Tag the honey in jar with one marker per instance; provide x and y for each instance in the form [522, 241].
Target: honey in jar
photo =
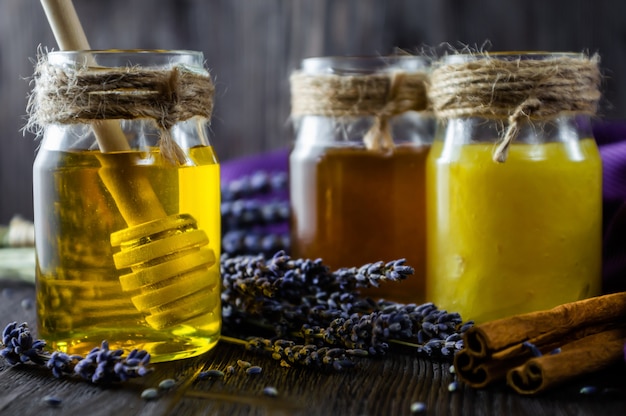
[354, 204]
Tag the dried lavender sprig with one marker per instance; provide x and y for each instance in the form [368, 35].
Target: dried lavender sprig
[290, 353]
[254, 242]
[374, 333]
[247, 213]
[258, 183]
[19, 345]
[100, 366]
[257, 288]
[255, 292]
[62, 364]
[433, 332]
[372, 274]
[298, 301]
[103, 365]
[280, 275]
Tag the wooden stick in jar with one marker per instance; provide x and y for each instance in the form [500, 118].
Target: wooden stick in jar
[70, 35]
[135, 198]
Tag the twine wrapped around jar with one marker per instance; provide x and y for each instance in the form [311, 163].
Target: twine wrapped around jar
[379, 95]
[83, 94]
[515, 90]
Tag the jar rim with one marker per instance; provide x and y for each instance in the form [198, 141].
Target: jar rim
[364, 64]
[509, 55]
[128, 51]
[125, 57]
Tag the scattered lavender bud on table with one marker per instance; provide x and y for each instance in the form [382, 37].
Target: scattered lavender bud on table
[167, 384]
[589, 390]
[254, 370]
[52, 400]
[210, 374]
[150, 394]
[270, 391]
[533, 348]
[418, 407]
[27, 303]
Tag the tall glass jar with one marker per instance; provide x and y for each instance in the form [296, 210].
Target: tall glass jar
[353, 202]
[513, 227]
[127, 238]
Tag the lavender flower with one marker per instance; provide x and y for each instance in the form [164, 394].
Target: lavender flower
[258, 183]
[62, 364]
[19, 345]
[290, 353]
[303, 299]
[100, 366]
[134, 365]
[265, 242]
[293, 278]
[532, 348]
[242, 213]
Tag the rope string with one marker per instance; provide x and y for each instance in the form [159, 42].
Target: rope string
[68, 95]
[382, 96]
[517, 91]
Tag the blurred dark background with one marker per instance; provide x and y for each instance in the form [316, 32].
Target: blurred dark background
[251, 46]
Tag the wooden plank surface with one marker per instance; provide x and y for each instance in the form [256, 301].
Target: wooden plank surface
[377, 387]
[252, 46]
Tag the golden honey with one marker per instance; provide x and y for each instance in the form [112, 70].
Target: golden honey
[352, 206]
[80, 297]
[513, 237]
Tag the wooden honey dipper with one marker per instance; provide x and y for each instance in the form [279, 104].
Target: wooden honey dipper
[168, 255]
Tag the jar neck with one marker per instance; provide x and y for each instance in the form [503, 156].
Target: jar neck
[462, 131]
[409, 128]
[142, 135]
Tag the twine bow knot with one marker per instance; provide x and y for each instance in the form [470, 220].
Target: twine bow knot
[523, 111]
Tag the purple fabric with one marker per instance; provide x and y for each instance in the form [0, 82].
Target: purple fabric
[270, 162]
[611, 138]
[274, 161]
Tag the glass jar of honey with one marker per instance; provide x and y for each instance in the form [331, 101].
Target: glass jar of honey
[126, 203]
[513, 184]
[357, 169]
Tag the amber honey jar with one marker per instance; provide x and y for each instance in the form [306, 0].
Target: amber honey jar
[357, 169]
[126, 203]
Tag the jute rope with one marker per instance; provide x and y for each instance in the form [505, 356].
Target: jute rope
[382, 96]
[515, 91]
[67, 95]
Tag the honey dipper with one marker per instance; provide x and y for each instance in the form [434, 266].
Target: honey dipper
[168, 255]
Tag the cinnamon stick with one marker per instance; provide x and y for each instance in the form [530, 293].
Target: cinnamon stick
[492, 350]
[545, 326]
[584, 356]
[479, 373]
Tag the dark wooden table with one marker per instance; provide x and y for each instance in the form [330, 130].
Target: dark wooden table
[376, 387]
